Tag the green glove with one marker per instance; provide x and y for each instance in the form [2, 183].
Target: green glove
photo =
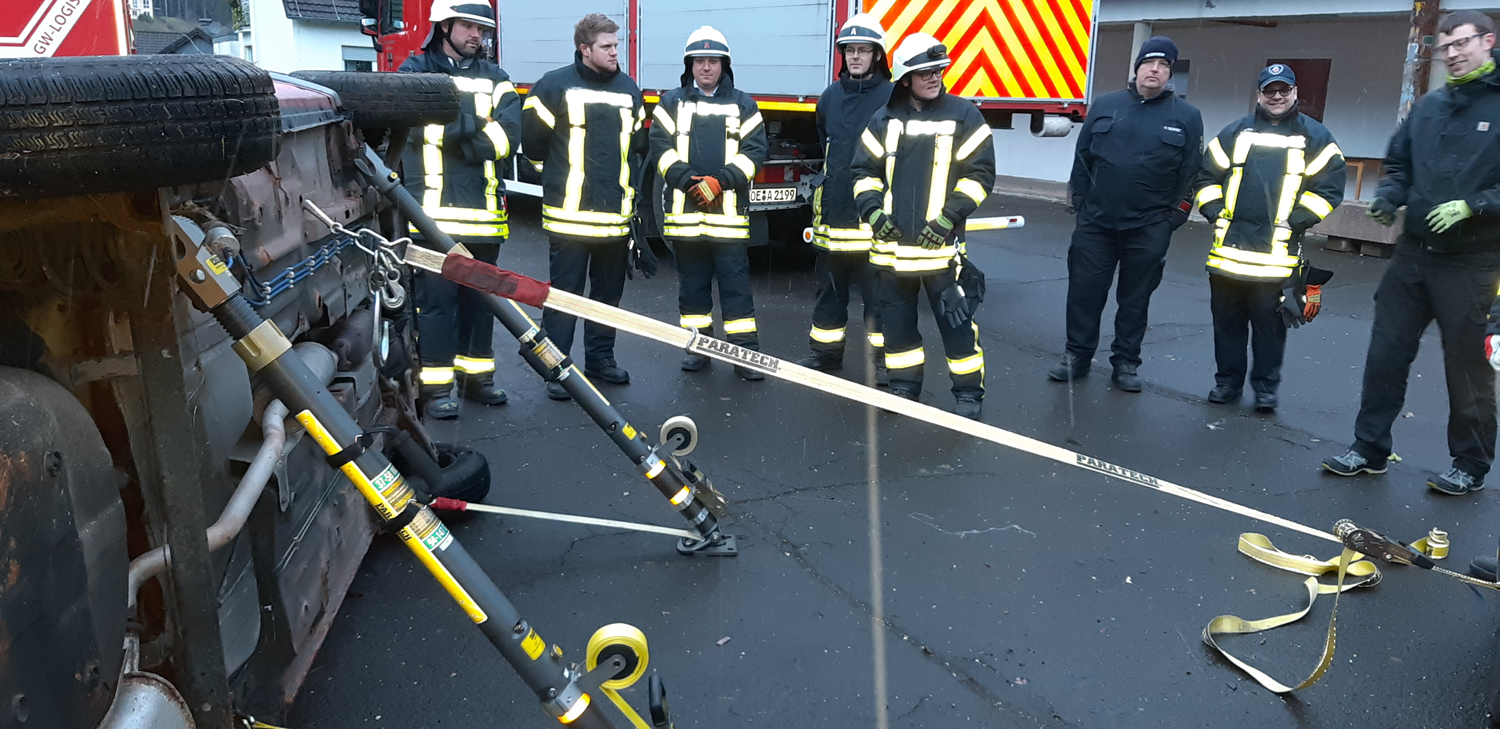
[936, 233]
[1447, 215]
[882, 226]
[1382, 211]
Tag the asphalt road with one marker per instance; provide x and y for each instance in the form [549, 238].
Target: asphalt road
[1017, 591]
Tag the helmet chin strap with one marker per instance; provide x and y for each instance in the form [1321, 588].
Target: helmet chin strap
[448, 39]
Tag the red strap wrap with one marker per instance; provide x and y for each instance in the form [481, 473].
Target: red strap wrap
[484, 277]
[443, 503]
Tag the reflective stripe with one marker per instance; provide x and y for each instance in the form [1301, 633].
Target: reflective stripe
[542, 113]
[739, 326]
[872, 144]
[827, 336]
[1323, 158]
[892, 140]
[1232, 192]
[705, 231]
[496, 133]
[668, 158]
[876, 339]
[1278, 257]
[973, 189]
[503, 88]
[436, 376]
[472, 85]
[972, 144]
[584, 230]
[473, 365]
[868, 184]
[924, 128]
[842, 239]
[973, 363]
[696, 321]
[1269, 273]
[1317, 205]
[476, 230]
[911, 265]
[749, 124]
[942, 162]
[1290, 184]
[1216, 151]
[745, 165]
[585, 216]
[627, 192]
[664, 119]
[899, 360]
[1209, 194]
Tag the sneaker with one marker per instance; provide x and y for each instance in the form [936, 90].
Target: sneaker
[822, 361]
[608, 371]
[1353, 464]
[1222, 394]
[1456, 481]
[556, 391]
[693, 362]
[1071, 370]
[481, 389]
[1126, 379]
[1265, 401]
[969, 407]
[748, 374]
[441, 407]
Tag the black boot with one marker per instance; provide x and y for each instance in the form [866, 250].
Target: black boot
[608, 371]
[438, 402]
[1073, 369]
[822, 361]
[481, 389]
[693, 362]
[882, 375]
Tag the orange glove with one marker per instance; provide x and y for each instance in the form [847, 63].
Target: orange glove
[707, 190]
[1314, 302]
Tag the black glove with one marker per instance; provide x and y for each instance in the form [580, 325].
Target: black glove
[1301, 219]
[1293, 301]
[936, 233]
[884, 227]
[1179, 214]
[955, 307]
[971, 279]
[1382, 211]
[1212, 210]
[640, 256]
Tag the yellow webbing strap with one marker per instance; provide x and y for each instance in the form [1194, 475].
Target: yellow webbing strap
[1260, 549]
[631, 638]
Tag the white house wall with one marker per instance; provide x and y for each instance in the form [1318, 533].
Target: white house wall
[283, 45]
[1363, 86]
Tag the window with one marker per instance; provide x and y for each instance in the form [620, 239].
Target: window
[359, 58]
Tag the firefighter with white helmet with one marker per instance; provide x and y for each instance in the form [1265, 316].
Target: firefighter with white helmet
[709, 140]
[841, 237]
[455, 170]
[924, 164]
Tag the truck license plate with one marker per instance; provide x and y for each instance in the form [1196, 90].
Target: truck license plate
[773, 194]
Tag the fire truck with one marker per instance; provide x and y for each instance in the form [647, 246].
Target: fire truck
[1018, 60]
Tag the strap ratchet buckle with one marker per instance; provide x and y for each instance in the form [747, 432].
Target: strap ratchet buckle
[1375, 545]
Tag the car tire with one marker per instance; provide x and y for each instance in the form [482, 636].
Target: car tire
[85, 125]
[390, 100]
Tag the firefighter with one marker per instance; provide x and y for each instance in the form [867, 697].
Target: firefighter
[1266, 179]
[924, 164]
[1138, 156]
[454, 170]
[584, 123]
[842, 239]
[1443, 165]
[708, 141]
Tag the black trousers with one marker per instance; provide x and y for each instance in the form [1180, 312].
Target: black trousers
[838, 272]
[453, 320]
[699, 264]
[602, 267]
[1141, 255]
[1245, 312]
[904, 358]
[1419, 287]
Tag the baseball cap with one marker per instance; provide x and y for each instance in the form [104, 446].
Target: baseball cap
[1277, 72]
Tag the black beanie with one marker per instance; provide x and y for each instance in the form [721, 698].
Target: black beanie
[1157, 46]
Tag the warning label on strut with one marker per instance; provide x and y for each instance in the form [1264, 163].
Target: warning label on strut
[741, 356]
[1094, 464]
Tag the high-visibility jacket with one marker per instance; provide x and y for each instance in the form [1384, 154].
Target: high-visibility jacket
[1263, 183]
[456, 170]
[588, 128]
[843, 111]
[719, 136]
[916, 165]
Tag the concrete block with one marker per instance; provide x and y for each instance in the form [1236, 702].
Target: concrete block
[1350, 221]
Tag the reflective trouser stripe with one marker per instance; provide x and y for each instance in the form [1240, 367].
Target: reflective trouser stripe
[898, 360]
[827, 336]
[696, 321]
[739, 326]
[966, 365]
[436, 376]
[877, 339]
[473, 365]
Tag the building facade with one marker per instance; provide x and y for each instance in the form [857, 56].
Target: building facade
[300, 35]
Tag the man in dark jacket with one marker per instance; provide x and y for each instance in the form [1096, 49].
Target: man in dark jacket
[924, 164]
[454, 171]
[585, 123]
[708, 139]
[1444, 166]
[842, 239]
[1133, 173]
[1266, 179]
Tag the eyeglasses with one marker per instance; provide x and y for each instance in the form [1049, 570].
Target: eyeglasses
[1460, 44]
[859, 50]
[928, 74]
[1274, 93]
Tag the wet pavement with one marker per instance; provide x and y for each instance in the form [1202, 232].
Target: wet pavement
[1017, 591]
